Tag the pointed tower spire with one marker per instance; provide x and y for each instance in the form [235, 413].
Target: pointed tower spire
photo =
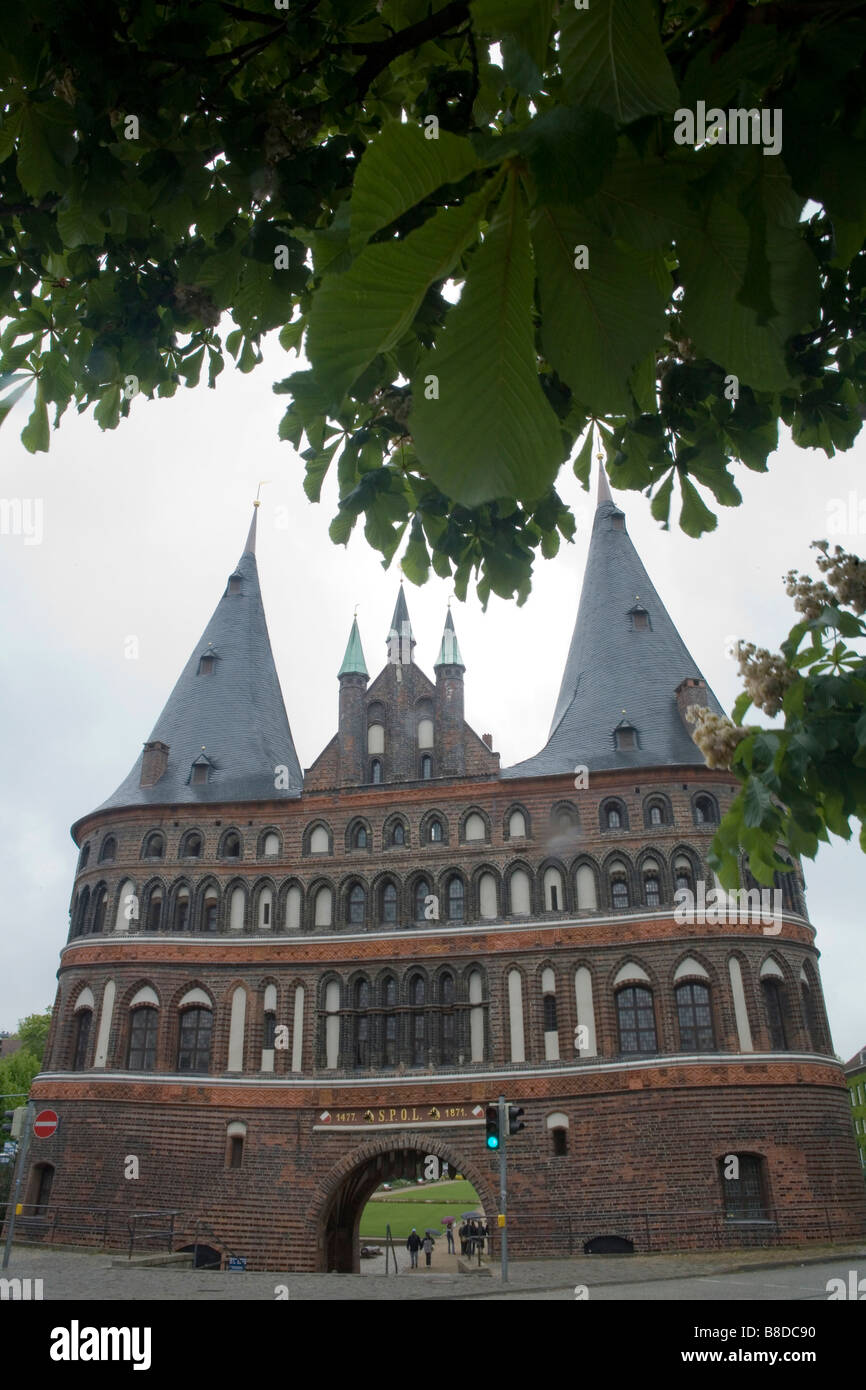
[625, 654]
[400, 639]
[228, 701]
[250, 547]
[353, 662]
[603, 487]
[449, 652]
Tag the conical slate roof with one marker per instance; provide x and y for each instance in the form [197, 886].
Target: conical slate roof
[234, 718]
[399, 648]
[449, 651]
[353, 662]
[624, 664]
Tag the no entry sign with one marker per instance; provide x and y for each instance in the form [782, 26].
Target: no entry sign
[45, 1124]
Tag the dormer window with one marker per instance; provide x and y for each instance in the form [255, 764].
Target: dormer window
[206, 664]
[624, 736]
[200, 771]
[235, 582]
[617, 521]
[640, 618]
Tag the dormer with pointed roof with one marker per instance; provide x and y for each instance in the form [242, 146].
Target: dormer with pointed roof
[223, 734]
[625, 654]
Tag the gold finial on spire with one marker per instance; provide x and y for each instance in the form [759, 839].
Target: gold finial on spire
[262, 484]
[357, 606]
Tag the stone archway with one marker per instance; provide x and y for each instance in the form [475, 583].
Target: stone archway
[343, 1194]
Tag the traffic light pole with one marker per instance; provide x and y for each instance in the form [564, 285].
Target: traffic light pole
[503, 1183]
[20, 1165]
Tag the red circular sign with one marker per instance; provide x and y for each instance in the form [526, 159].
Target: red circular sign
[45, 1124]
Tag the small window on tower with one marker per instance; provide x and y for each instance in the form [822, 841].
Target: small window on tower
[234, 584]
[426, 768]
[376, 771]
[236, 1152]
[206, 665]
[199, 774]
[617, 521]
[626, 737]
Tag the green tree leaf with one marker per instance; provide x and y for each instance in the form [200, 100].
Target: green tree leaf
[400, 169]
[612, 57]
[36, 434]
[489, 432]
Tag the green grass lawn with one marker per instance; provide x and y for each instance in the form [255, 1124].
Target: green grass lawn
[419, 1207]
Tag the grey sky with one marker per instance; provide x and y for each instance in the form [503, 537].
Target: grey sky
[142, 527]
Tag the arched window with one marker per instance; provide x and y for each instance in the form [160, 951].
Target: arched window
[360, 837]
[398, 834]
[655, 814]
[447, 1022]
[422, 893]
[553, 897]
[455, 899]
[637, 1029]
[389, 902]
[376, 738]
[651, 883]
[683, 874]
[100, 910]
[375, 771]
[425, 733]
[705, 811]
[743, 1187]
[389, 1022]
[153, 921]
[109, 850]
[614, 820]
[83, 1021]
[517, 826]
[154, 846]
[271, 845]
[436, 830]
[357, 904]
[426, 767]
[210, 908]
[79, 925]
[474, 828]
[695, 1018]
[193, 1052]
[191, 847]
[618, 886]
[520, 893]
[787, 882]
[232, 846]
[774, 1003]
[320, 840]
[323, 909]
[361, 1024]
[418, 1001]
[549, 1008]
[143, 1028]
[181, 910]
[85, 855]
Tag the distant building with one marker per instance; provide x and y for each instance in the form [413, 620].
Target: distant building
[282, 988]
[855, 1075]
[8, 1045]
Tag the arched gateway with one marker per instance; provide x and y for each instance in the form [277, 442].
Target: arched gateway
[343, 1194]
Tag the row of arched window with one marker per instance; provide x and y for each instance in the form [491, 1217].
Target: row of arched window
[207, 906]
[440, 1019]
[473, 825]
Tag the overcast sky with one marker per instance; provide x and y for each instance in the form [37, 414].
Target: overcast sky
[141, 528]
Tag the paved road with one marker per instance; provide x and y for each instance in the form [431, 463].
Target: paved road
[734, 1277]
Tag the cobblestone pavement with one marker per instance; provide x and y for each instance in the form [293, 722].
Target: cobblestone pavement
[737, 1275]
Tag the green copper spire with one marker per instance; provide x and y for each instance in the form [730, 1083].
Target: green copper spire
[353, 662]
[449, 652]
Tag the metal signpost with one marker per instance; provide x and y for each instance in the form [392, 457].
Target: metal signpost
[503, 1177]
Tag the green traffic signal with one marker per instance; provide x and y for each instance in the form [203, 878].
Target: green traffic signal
[492, 1126]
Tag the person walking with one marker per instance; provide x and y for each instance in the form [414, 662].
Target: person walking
[449, 1235]
[464, 1233]
[413, 1245]
[428, 1250]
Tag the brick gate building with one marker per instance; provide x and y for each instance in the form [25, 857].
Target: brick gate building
[280, 988]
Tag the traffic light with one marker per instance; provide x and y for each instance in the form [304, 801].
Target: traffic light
[492, 1126]
[515, 1124]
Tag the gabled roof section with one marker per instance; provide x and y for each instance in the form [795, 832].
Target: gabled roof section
[236, 713]
[616, 664]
